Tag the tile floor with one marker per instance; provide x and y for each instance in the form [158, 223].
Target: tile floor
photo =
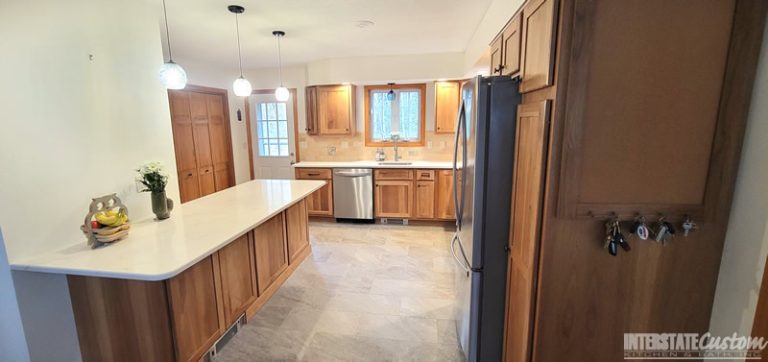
[367, 293]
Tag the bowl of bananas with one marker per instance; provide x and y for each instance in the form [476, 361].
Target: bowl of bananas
[106, 222]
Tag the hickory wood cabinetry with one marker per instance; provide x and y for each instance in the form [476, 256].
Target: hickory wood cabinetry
[447, 101]
[180, 318]
[505, 49]
[320, 203]
[393, 193]
[201, 138]
[444, 198]
[330, 110]
[583, 84]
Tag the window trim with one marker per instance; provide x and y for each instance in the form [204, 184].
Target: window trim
[421, 87]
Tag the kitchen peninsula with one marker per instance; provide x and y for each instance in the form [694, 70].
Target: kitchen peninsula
[171, 289]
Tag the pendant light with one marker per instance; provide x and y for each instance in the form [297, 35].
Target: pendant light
[391, 93]
[171, 74]
[281, 93]
[241, 86]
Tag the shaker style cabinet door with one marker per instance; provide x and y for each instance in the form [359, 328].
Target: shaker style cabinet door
[538, 44]
[393, 199]
[270, 249]
[444, 205]
[424, 206]
[446, 106]
[297, 229]
[335, 109]
[511, 38]
[238, 277]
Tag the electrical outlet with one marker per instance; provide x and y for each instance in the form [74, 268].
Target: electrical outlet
[331, 151]
[429, 144]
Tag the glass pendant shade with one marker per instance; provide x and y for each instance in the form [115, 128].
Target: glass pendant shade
[282, 94]
[391, 95]
[173, 76]
[242, 87]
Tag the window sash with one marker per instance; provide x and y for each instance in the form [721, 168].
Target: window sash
[272, 129]
[407, 101]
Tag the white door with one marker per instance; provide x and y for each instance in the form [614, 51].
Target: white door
[273, 137]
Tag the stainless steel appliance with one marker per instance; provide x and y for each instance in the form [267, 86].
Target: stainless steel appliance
[484, 157]
[353, 193]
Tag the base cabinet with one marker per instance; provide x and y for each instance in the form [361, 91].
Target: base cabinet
[320, 203]
[194, 299]
[179, 319]
[424, 206]
[393, 199]
[444, 198]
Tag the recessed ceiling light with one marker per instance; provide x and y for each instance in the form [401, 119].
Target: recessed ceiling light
[364, 23]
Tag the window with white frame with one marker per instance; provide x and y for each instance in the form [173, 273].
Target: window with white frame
[272, 127]
[397, 111]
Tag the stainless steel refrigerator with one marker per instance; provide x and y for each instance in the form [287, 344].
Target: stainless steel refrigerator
[483, 164]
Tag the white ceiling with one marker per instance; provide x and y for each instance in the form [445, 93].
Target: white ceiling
[204, 30]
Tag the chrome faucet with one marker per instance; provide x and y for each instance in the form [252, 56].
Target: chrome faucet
[395, 138]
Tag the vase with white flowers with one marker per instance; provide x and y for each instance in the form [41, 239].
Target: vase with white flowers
[154, 178]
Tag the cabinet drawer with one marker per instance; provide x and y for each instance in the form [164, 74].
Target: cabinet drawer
[313, 173]
[393, 174]
[425, 175]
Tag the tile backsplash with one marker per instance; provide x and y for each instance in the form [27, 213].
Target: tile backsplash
[437, 147]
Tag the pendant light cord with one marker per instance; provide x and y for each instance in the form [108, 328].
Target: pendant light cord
[280, 60]
[167, 33]
[239, 53]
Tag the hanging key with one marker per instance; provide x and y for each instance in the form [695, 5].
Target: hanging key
[610, 237]
[688, 226]
[639, 228]
[619, 237]
[662, 230]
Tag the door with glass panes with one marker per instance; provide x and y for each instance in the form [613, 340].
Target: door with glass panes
[272, 132]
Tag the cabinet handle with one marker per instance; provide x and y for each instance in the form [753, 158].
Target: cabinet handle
[189, 174]
[313, 174]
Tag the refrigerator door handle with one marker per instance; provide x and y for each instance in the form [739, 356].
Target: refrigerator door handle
[464, 264]
[459, 122]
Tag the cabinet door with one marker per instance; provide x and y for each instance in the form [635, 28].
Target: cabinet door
[446, 106]
[311, 100]
[221, 146]
[527, 198]
[297, 229]
[189, 185]
[238, 277]
[270, 249]
[320, 202]
[334, 110]
[207, 180]
[194, 299]
[444, 208]
[393, 199]
[511, 37]
[424, 206]
[497, 54]
[539, 24]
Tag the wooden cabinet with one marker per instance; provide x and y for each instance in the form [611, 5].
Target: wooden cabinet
[297, 230]
[393, 199]
[320, 203]
[311, 106]
[424, 204]
[444, 199]
[539, 24]
[505, 49]
[392, 174]
[527, 190]
[202, 141]
[270, 249]
[194, 297]
[447, 100]
[238, 277]
[331, 110]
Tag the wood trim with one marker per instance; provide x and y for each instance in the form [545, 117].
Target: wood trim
[277, 283]
[295, 102]
[422, 87]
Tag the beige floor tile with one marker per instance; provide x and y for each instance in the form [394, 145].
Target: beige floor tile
[436, 308]
[399, 328]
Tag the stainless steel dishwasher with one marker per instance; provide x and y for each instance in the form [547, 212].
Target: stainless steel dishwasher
[353, 193]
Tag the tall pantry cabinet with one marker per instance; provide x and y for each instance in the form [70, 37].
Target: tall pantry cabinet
[630, 108]
[202, 141]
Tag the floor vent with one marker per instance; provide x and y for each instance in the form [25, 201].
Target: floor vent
[394, 221]
[224, 339]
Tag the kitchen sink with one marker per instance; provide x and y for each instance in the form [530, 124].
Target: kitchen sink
[395, 163]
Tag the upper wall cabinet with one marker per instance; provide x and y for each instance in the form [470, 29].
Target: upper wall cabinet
[446, 106]
[331, 110]
[538, 44]
[505, 49]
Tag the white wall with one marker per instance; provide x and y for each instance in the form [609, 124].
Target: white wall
[73, 128]
[13, 345]
[746, 243]
[476, 54]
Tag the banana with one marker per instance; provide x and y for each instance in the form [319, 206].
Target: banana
[111, 218]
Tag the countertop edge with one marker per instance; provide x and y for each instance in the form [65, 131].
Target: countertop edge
[26, 266]
[438, 165]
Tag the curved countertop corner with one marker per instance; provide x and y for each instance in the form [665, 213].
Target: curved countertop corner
[374, 164]
[160, 250]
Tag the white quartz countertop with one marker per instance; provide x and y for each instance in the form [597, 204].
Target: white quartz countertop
[375, 164]
[158, 250]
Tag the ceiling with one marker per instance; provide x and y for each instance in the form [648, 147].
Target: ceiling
[203, 30]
